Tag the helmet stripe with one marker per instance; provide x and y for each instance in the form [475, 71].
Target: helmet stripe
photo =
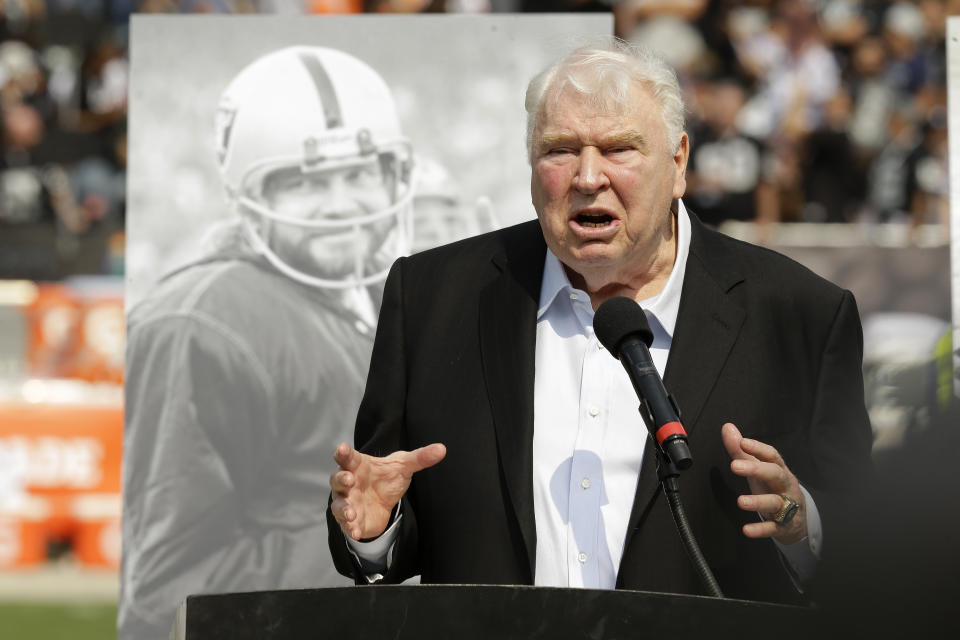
[324, 86]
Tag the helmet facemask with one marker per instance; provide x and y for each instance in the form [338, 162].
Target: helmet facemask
[335, 222]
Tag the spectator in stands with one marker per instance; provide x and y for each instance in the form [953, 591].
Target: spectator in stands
[631, 15]
[99, 181]
[24, 196]
[889, 180]
[795, 71]
[103, 81]
[833, 181]
[929, 180]
[872, 95]
[726, 167]
[904, 32]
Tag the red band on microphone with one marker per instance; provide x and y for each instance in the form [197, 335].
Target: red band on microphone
[670, 429]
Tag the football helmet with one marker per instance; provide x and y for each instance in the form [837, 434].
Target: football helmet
[315, 110]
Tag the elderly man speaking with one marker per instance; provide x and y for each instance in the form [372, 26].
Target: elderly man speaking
[498, 442]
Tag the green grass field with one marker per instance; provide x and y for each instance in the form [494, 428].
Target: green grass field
[22, 621]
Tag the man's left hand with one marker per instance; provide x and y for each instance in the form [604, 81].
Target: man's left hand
[769, 479]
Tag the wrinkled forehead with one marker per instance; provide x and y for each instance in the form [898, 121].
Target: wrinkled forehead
[622, 110]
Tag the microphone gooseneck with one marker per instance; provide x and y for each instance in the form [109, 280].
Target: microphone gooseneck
[622, 328]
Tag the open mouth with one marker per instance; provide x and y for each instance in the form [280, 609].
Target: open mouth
[594, 220]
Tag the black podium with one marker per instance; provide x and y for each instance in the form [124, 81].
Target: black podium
[465, 612]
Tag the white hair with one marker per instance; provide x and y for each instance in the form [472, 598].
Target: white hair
[605, 72]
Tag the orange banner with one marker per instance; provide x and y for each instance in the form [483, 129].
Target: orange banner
[67, 459]
[64, 449]
[76, 332]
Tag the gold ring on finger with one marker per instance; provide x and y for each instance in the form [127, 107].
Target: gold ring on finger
[787, 510]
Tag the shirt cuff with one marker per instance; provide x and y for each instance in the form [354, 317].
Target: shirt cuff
[375, 556]
[802, 556]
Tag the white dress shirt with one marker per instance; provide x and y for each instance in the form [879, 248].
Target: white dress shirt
[588, 438]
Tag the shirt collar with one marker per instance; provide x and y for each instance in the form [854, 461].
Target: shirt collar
[663, 307]
[555, 281]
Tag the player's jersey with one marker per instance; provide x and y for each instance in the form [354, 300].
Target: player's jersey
[240, 384]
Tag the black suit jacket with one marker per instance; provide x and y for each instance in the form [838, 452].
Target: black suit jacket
[759, 341]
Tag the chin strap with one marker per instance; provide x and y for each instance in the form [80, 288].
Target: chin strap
[402, 234]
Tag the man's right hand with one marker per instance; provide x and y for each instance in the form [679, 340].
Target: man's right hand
[366, 488]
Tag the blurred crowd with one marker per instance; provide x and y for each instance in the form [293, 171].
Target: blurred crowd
[800, 110]
[831, 111]
[63, 93]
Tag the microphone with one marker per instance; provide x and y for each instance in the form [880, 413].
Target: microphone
[622, 328]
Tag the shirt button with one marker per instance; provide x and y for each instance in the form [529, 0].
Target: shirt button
[574, 296]
[585, 483]
[594, 412]
[582, 557]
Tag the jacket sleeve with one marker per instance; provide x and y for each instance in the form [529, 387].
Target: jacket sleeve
[381, 430]
[840, 436]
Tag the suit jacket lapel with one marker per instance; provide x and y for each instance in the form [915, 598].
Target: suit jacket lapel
[708, 324]
[508, 320]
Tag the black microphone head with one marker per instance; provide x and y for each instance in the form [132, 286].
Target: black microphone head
[618, 318]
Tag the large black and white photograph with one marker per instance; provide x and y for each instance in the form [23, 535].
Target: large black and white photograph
[278, 167]
[446, 91]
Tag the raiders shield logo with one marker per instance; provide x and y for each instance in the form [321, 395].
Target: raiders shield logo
[223, 125]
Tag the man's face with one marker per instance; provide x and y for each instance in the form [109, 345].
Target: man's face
[335, 195]
[603, 181]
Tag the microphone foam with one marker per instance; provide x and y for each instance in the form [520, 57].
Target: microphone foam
[618, 318]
